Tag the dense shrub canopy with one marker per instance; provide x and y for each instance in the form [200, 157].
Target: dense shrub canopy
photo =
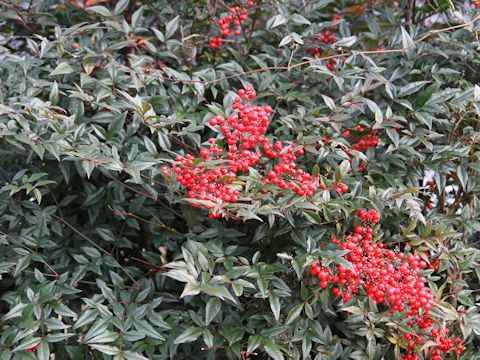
[334, 214]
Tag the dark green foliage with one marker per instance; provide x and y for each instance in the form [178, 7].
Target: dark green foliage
[100, 255]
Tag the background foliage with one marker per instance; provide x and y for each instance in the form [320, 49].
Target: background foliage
[102, 257]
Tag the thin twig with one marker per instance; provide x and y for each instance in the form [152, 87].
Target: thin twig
[153, 266]
[159, 224]
[19, 243]
[149, 196]
[307, 62]
[96, 245]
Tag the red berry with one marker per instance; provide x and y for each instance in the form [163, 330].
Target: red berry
[33, 348]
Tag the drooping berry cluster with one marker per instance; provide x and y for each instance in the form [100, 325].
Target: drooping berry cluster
[390, 278]
[444, 343]
[369, 216]
[440, 344]
[231, 23]
[431, 188]
[211, 176]
[204, 183]
[326, 37]
[364, 138]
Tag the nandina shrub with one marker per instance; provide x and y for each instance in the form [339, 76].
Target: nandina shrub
[239, 180]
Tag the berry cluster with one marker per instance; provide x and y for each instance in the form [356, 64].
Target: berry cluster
[431, 188]
[388, 277]
[364, 139]
[444, 343]
[231, 23]
[204, 183]
[431, 185]
[435, 265]
[326, 37]
[369, 216]
[441, 344]
[210, 178]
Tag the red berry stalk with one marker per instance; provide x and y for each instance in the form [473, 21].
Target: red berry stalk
[244, 146]
[231, 23]
[326, 37]
[366, 139]
[388, 277]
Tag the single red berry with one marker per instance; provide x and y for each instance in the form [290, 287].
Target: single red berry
[33, 348]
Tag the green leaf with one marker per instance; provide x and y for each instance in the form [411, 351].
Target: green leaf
[181, 275]
[98, 328]
[376, 110]
[27, 343]
[88, 166]
[101, 10]
[43, 351]
[294, 314]
[217, 290]
[106, 291]
[254, 341]
[147, 329]
[273, 350]
[313, 217]
[171, 27]
[407, 42]
[159, 35]
[329, 102]
[14, 312]
[189, 335]
[353, 310]
[22, 264]
[299, 19]
[464, 298]
[346, 41]
[411, 88]
[129, 355]
[62, 69]
[120, 6]
[55, 324]
[393, 135]
[285, 41]
[106, 337]
[53, 97]
[277, 20]
[52, 338]
[191, 288]
[137, 16]
[212, 309]
[462, 175]
[106, 349]
[274, 305]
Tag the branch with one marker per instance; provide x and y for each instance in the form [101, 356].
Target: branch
[148, 71]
